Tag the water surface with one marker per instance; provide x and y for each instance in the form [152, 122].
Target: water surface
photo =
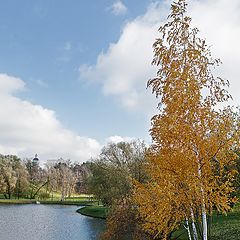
[47, 222]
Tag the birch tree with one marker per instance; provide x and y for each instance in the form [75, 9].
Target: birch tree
[191, 157]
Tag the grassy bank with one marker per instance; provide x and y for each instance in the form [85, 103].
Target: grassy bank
[69, 202]
[81, 200]
[94, 211]
[17, 201]
[222, 227]
[226, 227]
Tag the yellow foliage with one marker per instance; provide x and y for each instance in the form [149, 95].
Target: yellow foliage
[190, 162]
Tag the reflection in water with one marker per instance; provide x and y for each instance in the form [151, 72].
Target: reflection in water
[47, 222]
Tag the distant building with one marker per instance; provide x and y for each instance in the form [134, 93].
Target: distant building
[35, 160]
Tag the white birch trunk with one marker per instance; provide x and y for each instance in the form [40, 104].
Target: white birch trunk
[204, 220]
[204, 214]
[195, 235]
[188, 229]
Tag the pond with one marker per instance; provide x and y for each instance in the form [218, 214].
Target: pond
[47, 222]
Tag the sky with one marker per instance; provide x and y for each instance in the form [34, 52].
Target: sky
[73, 73]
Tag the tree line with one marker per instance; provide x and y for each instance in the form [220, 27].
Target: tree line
[26, 179]
[108, 177]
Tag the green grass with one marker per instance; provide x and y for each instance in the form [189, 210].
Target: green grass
[223, 227]
[17, 201]
[66, 202]
[79, 200]
[226, 227]
[76, 203]
[94, 211]
[70, 202]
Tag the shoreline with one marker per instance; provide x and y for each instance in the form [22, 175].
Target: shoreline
[28, 201]
[93, 211]
[89, 208]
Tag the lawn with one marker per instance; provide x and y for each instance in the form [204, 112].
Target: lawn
[80, 200]
[222, 227]
[226, 227]
[94, 211]
[16, 201]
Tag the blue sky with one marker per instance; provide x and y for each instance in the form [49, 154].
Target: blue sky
[73, 73]
[45, 42]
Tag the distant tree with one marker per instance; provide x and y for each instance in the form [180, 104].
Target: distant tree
[66, 178]
[82, 172]
[38, 178]
[8, 174]
[193, 142]
[22, 182]
[113, 171]
[13, 176]
[52, 175]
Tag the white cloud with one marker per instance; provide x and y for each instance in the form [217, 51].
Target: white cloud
[117, 139]
[218, 22]
[124, 68]
[118, 8]
[27, 129]
[9, 85]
